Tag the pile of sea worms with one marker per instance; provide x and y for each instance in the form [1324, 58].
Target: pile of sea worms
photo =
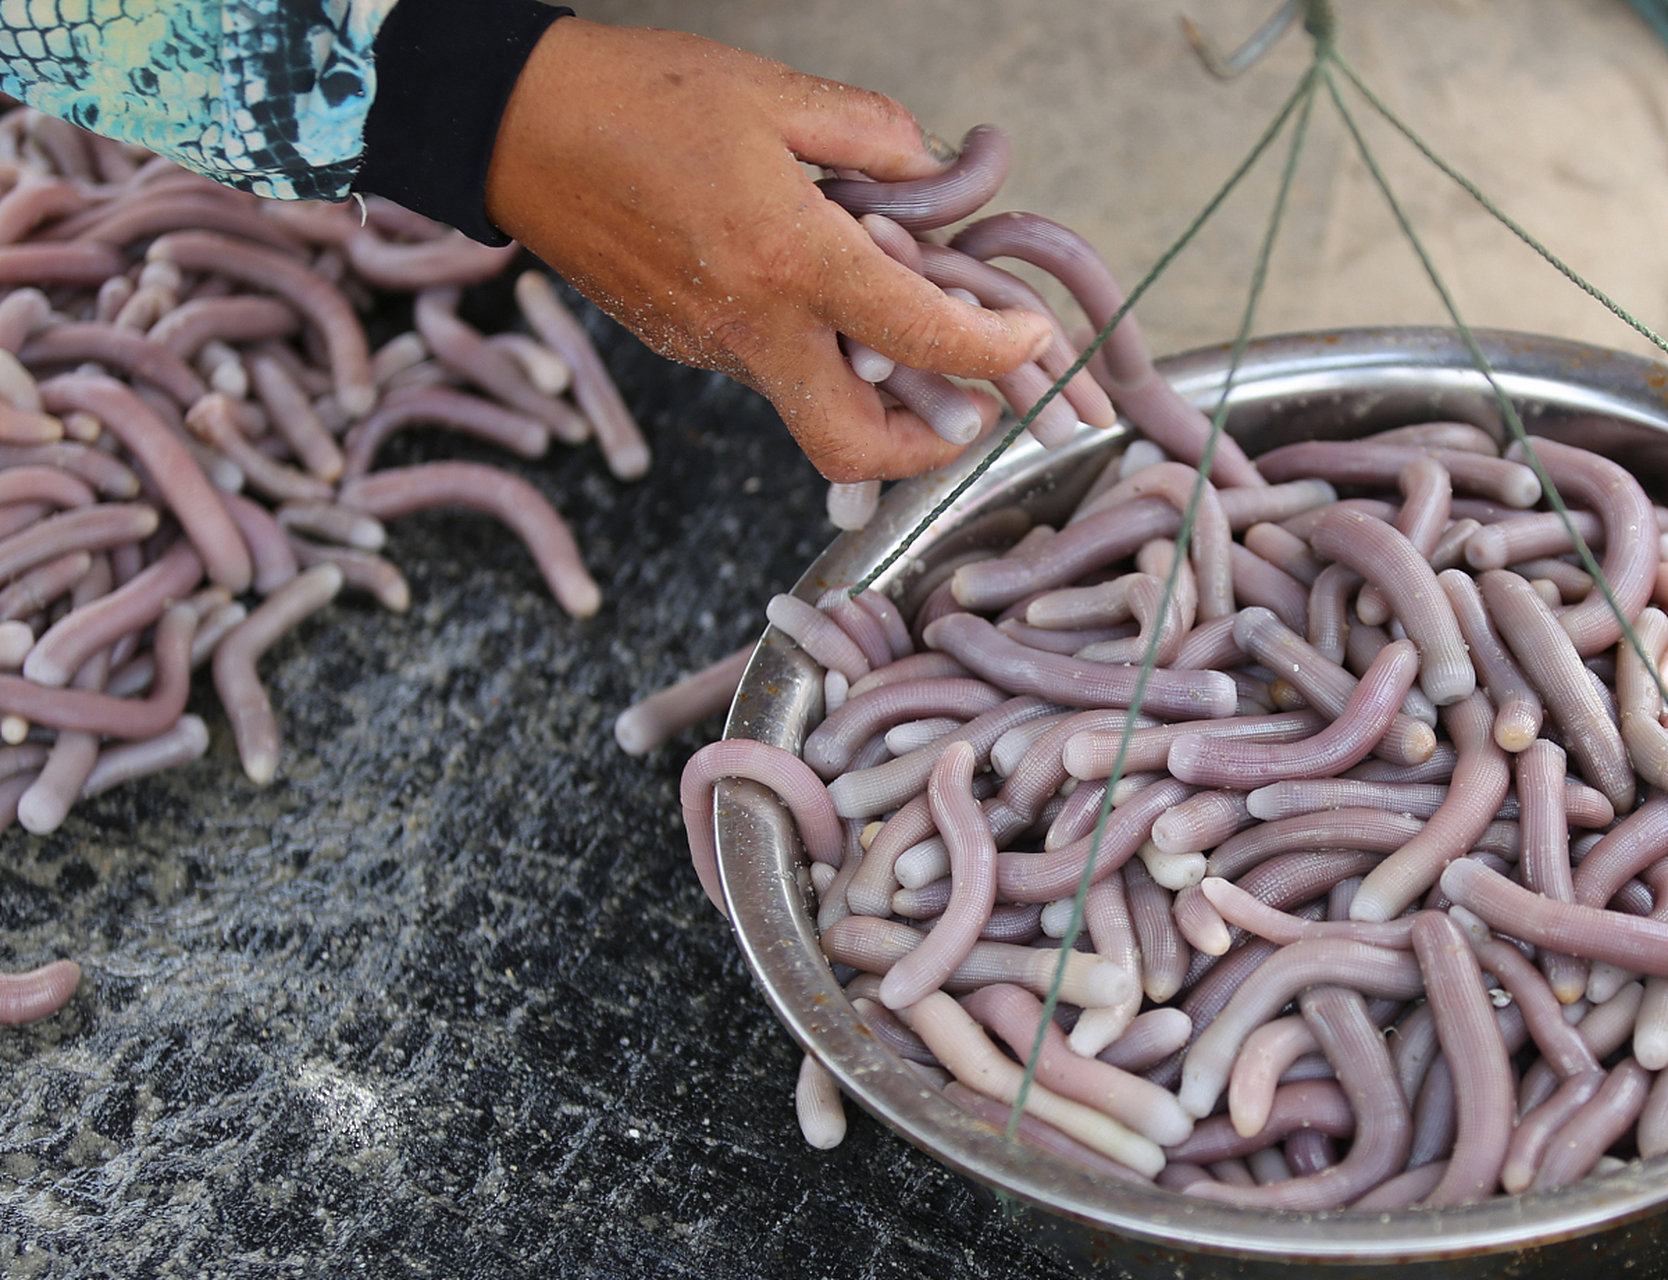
[1377, 915]
[190, 413]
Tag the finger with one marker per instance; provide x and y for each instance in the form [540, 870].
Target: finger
[869, 297]
[841, 423]
[838, 126]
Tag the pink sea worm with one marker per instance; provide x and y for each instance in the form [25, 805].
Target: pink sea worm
[399, 491]
[1552, 662]
[622, 443]
[254, 727]
[1631, 552]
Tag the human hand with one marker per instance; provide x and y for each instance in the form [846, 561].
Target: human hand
[660, 174]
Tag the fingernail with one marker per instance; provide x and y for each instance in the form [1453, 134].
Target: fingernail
[938, 149]
[1043, 344]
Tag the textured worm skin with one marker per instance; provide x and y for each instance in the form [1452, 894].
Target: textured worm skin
[822, 1119]
[350, 359]
[254, 726]
[74, 638]
[1476, 1055]
[1258, 1066]
[973, 883]
[95, 528]
[1202, 822]
[1238, 907]
[511, 499]
[29, 997]
[294, 418]
[1482, 775]
[1639, 701]
[449, 259]
[922, 204]
[1382, 1130]
[863, 793]
[1427, 494]
[1373, 970]
[186, 739]
[444, 407]
[1046, 1137]
[1628, 848]
[1629, 942]
[652, 721]
[1544, 863]
[977, 644]
[1630, 539]
[213, 419]
[818, 634]
[1344, 742]
[1552, 662]
[1090, 754]
[1305, 1104]
[962, 1046]
[784, 773]
[1370, 830]
[1388, 560]
[1599, 1123]
[1324, 684]
[44, 264]
[1212, 539]
[176, 474]
[1014, 1014]
[1519, 712]
[460, 347]
[1527, 537]
[244, 318]
[622, 443]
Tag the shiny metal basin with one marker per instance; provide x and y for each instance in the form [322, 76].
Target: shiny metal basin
[1332, 385]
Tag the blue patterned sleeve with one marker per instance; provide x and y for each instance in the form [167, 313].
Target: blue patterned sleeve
[269, 96]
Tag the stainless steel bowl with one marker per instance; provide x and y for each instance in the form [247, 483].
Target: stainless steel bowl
[1319, 385]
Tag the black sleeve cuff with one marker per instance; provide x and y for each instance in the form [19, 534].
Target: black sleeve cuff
[444, 73]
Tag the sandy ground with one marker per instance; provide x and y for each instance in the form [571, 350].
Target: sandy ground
[1558, 109]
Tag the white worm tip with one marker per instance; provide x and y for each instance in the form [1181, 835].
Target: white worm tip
[629, 461]
[634, 733]
[13, 730]
[40, 813]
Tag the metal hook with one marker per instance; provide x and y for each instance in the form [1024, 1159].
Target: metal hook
[1263, 39]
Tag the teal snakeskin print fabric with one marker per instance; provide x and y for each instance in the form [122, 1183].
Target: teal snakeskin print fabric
[266, 95]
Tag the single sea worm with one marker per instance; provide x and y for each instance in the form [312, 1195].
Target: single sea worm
[514, 501]
[1552, 662]
[622, 443]
[29, 997]
[652, 721]
[1475, 1053]
[254, 726]
[972, 855]
[1631, 553]
[921, 204]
